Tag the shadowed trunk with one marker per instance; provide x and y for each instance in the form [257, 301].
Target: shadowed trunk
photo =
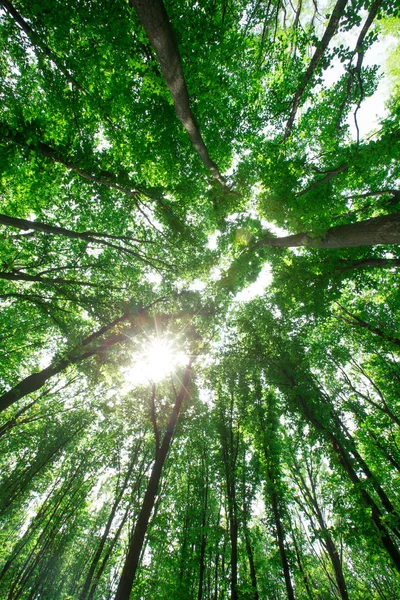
[155, 22]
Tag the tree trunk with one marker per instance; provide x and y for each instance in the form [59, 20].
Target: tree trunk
[377, 517]
[281, 544]
[34, 382]
[322, 46]
[377, 230]
[117, 501]
[272, 461]
[327, 539]
[204, 534]
[139, 532]
[253, 575]
[155, 22]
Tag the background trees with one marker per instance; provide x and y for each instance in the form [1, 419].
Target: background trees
[155, 159]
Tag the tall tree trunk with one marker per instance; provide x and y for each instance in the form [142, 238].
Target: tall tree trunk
[230, 444]
[139, 532]
[128, 512]
[114, 508]
[377, 517]
[305, 576]
[203, 543]
[281, 543]
[155, 22]
[324, 531]
[272, 460]
[319, 52]
[249, 551]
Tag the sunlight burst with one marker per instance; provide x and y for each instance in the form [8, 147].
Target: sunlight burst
[158, 360]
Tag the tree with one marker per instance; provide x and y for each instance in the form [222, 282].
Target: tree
[162, 436]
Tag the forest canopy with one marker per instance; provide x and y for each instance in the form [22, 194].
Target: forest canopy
[199, 360]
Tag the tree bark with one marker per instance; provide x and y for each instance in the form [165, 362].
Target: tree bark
[155, 22]
[139, 532]
[377, 230]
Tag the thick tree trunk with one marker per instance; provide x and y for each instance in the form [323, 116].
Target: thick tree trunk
[371, 232]
[139, 532]
[155, 22]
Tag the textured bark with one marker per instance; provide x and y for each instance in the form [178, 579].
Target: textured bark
[319, 52]
[377, 230]
[139, 532]
[155, 22]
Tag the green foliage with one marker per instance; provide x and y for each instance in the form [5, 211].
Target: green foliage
[283, 472]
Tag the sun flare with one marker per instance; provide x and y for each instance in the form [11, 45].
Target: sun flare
[158, 359]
